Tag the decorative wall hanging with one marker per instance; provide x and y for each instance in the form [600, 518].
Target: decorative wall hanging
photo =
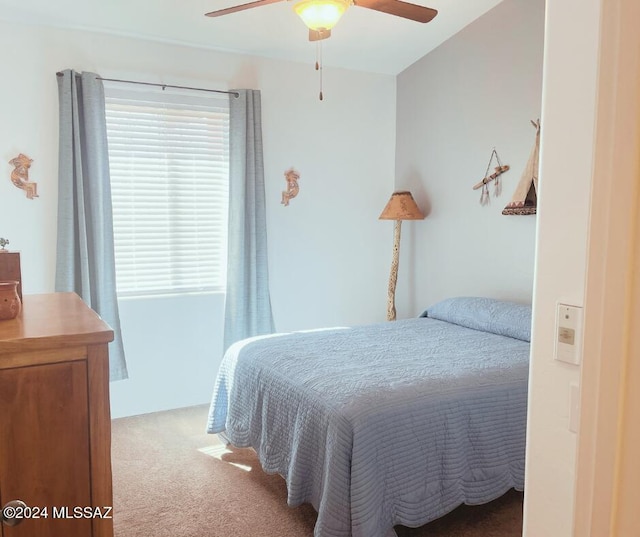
[525, 198]
[291, 176]
[495, 176]
[20, 175]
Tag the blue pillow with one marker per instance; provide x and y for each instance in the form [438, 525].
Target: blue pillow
[486, 314]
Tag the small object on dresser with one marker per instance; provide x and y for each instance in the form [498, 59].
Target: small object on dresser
[3, 243]
[10, 267]
[10, 304]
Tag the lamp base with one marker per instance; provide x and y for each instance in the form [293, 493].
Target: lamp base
[393, 276]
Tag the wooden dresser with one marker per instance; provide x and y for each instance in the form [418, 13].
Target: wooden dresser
[55, 429]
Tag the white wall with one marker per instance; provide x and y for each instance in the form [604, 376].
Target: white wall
[566, 174]
[327, 265]
[477, 91]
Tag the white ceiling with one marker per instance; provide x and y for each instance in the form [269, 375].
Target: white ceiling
[363, 40]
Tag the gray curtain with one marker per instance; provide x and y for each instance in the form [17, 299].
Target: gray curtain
[85, 259]
[247, 306]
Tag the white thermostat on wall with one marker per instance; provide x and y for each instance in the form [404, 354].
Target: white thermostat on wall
[568, 347]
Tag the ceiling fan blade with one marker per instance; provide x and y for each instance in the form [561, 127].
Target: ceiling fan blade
[241, 7]
[400, 9]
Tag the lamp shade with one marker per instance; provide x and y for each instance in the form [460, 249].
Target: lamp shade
[402, 206]
[321, 14]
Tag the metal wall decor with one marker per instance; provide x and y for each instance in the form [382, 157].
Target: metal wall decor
[20, 175]
[291, 176]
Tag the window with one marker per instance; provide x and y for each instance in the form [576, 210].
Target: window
[169, 161]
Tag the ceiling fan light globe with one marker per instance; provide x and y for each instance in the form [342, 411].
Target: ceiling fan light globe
[321, 14]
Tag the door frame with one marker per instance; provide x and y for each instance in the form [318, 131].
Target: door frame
[609, 424]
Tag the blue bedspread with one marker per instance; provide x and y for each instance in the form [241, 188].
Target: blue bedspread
[379, 425]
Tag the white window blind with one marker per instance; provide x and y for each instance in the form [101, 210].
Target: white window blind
[169, 162]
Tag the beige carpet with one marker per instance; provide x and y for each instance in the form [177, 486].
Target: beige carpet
[170, 479]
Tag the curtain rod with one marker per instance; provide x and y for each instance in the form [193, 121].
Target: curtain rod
[163, 86]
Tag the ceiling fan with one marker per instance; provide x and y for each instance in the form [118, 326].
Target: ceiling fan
[322, 15]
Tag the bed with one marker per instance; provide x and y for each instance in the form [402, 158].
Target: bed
[394, 423]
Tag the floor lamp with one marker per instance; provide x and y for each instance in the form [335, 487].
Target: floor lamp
[400, 207]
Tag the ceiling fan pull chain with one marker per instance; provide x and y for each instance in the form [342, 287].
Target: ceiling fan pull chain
[321, 68]
[319, 63]
[317, 55]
